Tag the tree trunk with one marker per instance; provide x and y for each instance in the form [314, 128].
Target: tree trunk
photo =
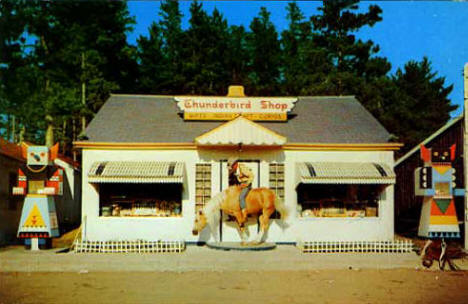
[22, 133]
[13, 128]
[83, 94]
[73, 129]
[74, 137]
[49, 137]
[64, 134]
[8, 127]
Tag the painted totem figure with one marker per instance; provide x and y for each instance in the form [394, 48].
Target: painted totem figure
[436, 183]
[39, 181]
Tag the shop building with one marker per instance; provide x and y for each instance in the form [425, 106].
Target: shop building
[149, 162]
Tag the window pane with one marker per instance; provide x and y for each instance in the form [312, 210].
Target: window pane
[202, 184]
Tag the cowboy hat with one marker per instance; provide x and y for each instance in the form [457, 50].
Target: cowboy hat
[231, 161]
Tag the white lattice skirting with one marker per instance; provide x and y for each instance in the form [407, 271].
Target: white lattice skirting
[138, 246]
[356, 246]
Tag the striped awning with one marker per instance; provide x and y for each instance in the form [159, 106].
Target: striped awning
[136, 172]
[345, 173]
[241, 131]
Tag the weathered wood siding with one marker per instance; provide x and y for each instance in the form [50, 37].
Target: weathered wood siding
[10, 206]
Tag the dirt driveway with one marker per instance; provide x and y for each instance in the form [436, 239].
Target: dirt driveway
[321, 286]
[202, 275]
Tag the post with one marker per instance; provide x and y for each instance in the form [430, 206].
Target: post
[465, 152]
[34, 244]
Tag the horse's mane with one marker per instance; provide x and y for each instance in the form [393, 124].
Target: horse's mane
[211, 209]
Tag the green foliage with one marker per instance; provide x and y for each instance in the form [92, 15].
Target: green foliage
[152, 62]
[70, 46]
[173, 78]
[264, 52]
[352, 59]
[54, 54]
[295, 42]
[13, 64]
[236, 56]
[420, 105]
[205, 44]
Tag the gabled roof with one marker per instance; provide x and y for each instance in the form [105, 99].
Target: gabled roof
[429, 139]
[241, 131]
[157, 119]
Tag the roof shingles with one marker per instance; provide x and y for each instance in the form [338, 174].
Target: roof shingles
[157, 119]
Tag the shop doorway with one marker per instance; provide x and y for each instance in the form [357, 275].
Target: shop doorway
[228, 227]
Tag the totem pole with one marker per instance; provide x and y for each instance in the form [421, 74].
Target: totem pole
[39, 181]
[437, 184]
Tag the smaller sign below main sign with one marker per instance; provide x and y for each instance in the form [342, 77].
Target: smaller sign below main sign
[231, 116]
[228, 108]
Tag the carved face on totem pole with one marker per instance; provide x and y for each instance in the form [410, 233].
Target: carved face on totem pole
[39, 155]
[438, 155]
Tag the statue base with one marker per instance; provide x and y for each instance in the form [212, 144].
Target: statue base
[241, 247]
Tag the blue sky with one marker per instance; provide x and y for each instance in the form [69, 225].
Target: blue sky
[409, 30]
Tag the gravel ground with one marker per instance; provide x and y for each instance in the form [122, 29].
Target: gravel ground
[203, 275]
[195, 258]
[313, 286]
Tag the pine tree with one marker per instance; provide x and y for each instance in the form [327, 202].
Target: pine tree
[352, 59]
[173, 78]
[153, 65]
[76, 53]
[236, 55]
[420, 105]
[304, 64]
[71, 46]
[14, 66]
[264, 56]
[206, 45]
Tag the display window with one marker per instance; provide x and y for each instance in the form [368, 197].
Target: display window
[276, 178]
[133, 200]
[202, 185]
[325, 200]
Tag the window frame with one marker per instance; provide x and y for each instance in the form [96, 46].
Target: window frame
[276, 182]
[203, 184]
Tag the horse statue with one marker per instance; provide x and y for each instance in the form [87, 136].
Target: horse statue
[261, 201]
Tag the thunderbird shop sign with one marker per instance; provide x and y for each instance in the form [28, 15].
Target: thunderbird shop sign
[227, 108]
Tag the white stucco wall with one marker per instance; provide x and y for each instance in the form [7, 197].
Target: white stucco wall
[131, 228]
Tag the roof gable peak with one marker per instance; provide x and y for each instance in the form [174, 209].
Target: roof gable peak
[241, 131]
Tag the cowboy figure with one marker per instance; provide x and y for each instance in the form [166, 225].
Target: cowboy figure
[240, 174]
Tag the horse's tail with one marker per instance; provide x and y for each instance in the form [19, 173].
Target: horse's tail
[280, 206]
